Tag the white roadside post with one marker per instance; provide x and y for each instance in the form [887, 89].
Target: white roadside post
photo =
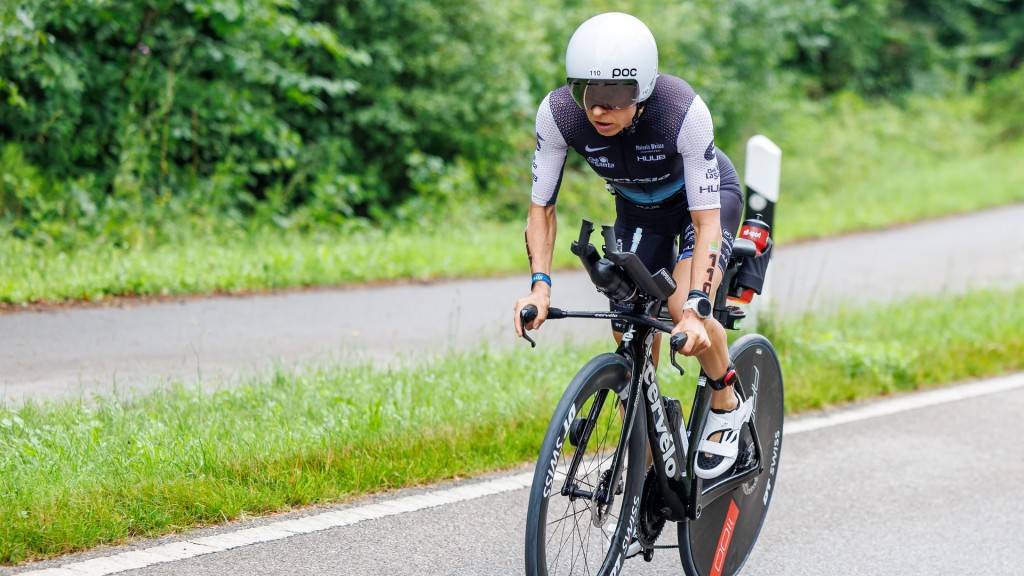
[762, 172]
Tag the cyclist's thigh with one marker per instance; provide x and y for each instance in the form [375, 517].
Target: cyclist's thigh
[651, 234]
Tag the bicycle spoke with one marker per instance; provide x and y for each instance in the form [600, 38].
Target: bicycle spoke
[566, 516]
[561, 547]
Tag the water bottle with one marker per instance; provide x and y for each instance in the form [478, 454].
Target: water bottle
[612, 281]
[757, 231]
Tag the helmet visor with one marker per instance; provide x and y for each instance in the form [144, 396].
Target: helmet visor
[610, 95]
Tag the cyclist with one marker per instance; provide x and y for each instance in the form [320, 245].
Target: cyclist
[650, 136]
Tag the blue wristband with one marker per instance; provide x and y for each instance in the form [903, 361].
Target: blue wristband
[540, 277]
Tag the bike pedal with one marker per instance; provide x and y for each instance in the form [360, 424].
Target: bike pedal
[745, 458]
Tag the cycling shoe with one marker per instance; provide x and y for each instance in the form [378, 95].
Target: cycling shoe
[714, 458]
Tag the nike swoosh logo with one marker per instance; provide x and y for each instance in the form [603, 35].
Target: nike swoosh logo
[589, 149]
[709, 154]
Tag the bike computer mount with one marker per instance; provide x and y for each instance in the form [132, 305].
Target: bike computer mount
[620, 275]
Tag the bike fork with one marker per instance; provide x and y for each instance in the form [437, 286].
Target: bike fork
[583, 438]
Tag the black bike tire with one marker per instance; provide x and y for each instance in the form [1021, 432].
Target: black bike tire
[720, 541]
[606, 371]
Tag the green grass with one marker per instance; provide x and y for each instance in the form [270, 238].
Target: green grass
[847, 165]
[859, 354]
[77, 474]
[851, 165]
[272, 260]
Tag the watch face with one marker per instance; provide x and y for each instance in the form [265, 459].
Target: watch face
[704, 307]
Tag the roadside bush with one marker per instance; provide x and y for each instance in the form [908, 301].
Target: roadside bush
[1003, 105]
[267, 105]
[122, 119]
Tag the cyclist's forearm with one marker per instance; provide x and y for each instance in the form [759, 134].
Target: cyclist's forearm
[705, 274]
[540, 237]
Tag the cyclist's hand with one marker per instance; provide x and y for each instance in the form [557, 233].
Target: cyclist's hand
[541, 298]
[697, 339]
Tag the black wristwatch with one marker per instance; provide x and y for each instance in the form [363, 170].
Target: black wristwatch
[701, 305]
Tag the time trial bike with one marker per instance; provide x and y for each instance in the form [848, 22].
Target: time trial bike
[616, 464]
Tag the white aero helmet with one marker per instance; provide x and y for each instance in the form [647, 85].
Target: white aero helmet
[611, 61]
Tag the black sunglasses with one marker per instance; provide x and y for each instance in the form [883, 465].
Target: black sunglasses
[611, 95]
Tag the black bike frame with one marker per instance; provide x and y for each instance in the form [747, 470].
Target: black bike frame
[636, 347]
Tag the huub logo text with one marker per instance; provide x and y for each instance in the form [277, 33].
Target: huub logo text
[651, 157]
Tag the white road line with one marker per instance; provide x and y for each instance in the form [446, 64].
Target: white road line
[905, 403]
[338, 518]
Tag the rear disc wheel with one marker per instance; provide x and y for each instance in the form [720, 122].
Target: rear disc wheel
[720, 540]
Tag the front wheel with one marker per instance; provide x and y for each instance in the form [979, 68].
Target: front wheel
[568, 529]
[720, 540]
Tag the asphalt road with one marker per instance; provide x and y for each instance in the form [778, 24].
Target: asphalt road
[933, 490]
[82, 351]
[922, 484]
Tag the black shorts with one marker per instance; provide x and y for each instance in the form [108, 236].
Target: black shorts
[662, 234]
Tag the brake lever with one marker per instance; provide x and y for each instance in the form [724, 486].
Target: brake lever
[527, 315]
[677, 342]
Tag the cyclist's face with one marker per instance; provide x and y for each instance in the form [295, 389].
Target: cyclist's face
[610, 122]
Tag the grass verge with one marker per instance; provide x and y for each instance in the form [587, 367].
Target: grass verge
[847, 165]
[74, 475]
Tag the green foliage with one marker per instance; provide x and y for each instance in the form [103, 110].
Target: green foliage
[131, 122]
[888, 47]
[434, 108]
[262, 103]
[851, 163]
[1003, 106]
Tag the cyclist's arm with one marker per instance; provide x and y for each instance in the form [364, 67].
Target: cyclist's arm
[705, 273]
[541, 226]
[696, 143]
[700, 272]
[548, 162]
[700, 165]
